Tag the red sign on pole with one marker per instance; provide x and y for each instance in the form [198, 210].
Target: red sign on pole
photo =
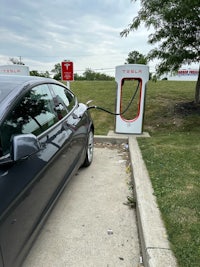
[67, 71]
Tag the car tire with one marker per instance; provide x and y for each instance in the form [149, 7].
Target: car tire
[89, 149]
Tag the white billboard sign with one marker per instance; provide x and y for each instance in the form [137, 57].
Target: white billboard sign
[14, 70]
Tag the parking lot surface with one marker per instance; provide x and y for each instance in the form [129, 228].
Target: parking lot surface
[90, 224]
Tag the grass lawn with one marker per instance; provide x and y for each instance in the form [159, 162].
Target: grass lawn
[171, 154]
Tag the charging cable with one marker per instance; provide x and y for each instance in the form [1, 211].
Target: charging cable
[112, 113]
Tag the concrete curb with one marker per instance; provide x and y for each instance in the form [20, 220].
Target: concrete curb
[155, 246]
[110, 139]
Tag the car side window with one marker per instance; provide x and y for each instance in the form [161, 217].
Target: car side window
[34, 113]
[63, 98]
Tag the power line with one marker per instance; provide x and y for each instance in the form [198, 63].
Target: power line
[103, 69]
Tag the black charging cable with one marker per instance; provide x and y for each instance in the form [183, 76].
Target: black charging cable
[121, 113]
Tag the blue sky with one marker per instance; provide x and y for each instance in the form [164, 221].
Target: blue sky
[86, 32]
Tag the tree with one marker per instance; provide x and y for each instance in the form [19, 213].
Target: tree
[89, 74]
[135, 57]
[16, 61]
[42, 74]
[177, 33]
[57, 71]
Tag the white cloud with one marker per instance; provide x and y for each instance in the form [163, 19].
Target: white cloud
[87, 32]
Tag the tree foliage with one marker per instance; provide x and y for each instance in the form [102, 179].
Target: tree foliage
[40, 74]
[177, 33]
[57, 71]
[16, 61]
[91, 75]
[135, 57]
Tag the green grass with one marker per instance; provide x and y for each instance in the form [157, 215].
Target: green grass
[103, 95]
[171, 155]
[173, 164]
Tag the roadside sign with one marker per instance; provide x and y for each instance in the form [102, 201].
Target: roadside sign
[67, 71]
[14, 70]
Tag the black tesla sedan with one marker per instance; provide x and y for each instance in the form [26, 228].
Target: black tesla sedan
[45, 136]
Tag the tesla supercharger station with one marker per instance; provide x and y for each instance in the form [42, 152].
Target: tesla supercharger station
[136, 75]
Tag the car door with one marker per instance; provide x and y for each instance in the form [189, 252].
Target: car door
[30, 186]
[77, 122]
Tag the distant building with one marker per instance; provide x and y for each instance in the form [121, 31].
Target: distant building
[185, 75]
[14, 70]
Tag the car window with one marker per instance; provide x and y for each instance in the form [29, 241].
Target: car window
[63, 97]
[34, 113]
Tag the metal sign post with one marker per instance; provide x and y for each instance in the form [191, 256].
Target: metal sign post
[67, 72]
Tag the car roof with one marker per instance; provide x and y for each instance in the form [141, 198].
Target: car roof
[9, 83]
[18, 79]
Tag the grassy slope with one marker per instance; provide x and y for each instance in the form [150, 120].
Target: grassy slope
[171, 155]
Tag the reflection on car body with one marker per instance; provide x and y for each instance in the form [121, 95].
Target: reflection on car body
[45, 136]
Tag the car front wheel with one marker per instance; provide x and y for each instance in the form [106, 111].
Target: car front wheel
[89, 149]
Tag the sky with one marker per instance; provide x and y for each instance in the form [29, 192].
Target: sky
[87, 32]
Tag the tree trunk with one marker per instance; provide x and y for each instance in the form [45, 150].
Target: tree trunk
[197, 91]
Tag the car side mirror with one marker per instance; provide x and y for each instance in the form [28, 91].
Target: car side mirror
[24, 145]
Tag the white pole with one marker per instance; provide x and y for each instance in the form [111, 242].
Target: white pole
[68, 85]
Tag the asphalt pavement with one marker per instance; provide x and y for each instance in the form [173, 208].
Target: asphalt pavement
[91, 224]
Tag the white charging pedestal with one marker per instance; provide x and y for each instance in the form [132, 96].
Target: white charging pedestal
[139, 74]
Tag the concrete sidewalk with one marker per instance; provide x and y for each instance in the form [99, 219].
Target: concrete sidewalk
[156, 250]
[90, 225]
[108, 236]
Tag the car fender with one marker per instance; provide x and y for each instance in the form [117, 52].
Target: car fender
[1, 258]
